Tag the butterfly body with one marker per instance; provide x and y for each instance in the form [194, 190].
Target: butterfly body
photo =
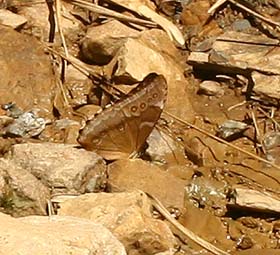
[121, 130]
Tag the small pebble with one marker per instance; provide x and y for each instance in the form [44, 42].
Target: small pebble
[211, 88]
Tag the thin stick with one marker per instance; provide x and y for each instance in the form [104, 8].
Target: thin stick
[216, 6]
[60, 31]
[235, 106]
[261, 17]
[270, 117]
[109, 13]
[79, 65]
[59, 27]
[223, 141]
[186, 232]
[258, 133]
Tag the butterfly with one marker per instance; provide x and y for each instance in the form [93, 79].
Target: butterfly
[121, 130]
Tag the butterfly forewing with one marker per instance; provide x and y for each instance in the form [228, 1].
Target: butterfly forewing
[121, 130]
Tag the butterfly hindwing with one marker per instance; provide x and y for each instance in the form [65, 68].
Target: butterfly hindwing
[121, 130]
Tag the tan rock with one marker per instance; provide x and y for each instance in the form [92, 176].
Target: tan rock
[102, 42]
[164, 149]
[147, 9]
[26, 78]
[127, 215]
[61, 166]
[11, 19]
[78, 85]
[61, 131]
[266, 87]
[134, 55]
[38, 235]
[258, 251]
[211, 88]
[38, 23]
[250, 55]
[139, 174]
[139, 57]
[21, 193]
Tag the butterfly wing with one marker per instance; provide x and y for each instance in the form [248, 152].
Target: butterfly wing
[121, 130]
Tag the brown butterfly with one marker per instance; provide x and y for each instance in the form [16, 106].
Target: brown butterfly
[121, 130]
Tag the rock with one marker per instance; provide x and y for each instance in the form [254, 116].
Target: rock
[207, 193]
[38, 20]
[21, 193]
[231, 129]
[247, 56]
[27, 78]
[211, 88]
[127, 215]
[11, 19]
[207, 226]
[61, 166]
[61, 131]
[139, 174]
[102, 42]
[266, 87]
[56, 235]
[164, 149]
[258, 251]
[151, 57]
[241, 25]
[126, 46]
[78, 85]
[271, 142]
[27, 125]
[147, 9]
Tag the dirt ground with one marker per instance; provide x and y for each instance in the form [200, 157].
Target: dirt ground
[222, 144]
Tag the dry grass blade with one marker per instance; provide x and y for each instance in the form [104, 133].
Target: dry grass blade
[258, 133]
[158, 205]
[140, 8]
[109, 13]
[223, 141]
[218, 4]
[271, 118]
[58, 22]
[259, 16]
[92, 74]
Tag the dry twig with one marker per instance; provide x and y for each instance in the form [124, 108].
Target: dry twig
[218, 4]
[223, 141]
[112, 14]
[186, 232]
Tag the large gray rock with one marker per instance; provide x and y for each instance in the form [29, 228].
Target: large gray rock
[21, 193]
[39, 235]
[127, 215]
[61, 166]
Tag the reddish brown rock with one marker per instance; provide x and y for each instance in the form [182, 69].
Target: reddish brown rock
[26, 77]
[139, 174]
